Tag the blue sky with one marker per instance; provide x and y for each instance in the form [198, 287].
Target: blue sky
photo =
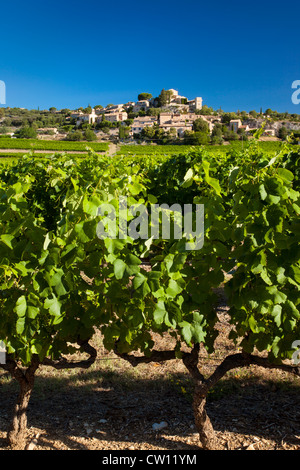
[236, 55]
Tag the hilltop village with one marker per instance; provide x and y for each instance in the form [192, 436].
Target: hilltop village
[169, 118]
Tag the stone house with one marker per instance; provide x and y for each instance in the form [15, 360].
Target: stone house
[114, 116]
[141, 122]
[235, 125]
[142, 105]
[181, 121]
[81, 117]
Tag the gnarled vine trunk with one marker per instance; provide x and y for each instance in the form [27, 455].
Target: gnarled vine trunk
[203, 424]
[17, 436]
[18, 432]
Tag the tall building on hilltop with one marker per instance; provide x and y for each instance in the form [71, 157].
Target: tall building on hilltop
[189, 105]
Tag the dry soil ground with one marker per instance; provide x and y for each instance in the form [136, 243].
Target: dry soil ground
[113, 406]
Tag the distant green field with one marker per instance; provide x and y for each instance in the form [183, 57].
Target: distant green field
[8, 158]
[173, 149]
[153, 149]
[59, 145]
[16, 155]
[125, 150]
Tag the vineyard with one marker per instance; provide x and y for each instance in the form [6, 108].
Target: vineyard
[69, 297]
[40, 148]
[59, 146]
[266, 146]
[8, 157]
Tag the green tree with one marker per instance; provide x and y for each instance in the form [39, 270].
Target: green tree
[128, 122]
[253, 113]
[89, 135]
[26, 132]
[217, 134]
[164, 98]
[144, 96]
[153, 112]
[205, 111]
[173, 133]
[74, 136]
[227, 117]
[242, 134]
[88, 110]
[244, 114]
[104, 124]
[200, 125]
[148, 133]
[124, 132]
[196, 138]
[283, 133]
[169, 95]
[230, 135]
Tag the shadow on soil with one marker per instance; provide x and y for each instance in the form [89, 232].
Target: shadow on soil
[112, 407]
